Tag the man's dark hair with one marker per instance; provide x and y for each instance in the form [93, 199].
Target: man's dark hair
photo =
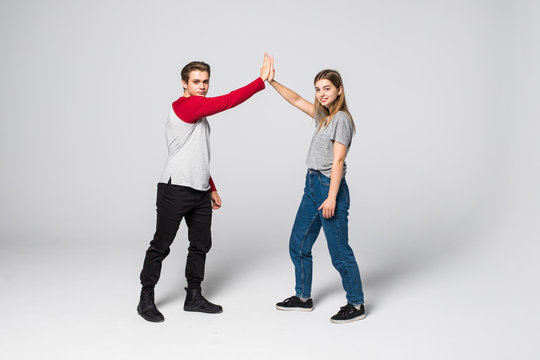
[194, 65]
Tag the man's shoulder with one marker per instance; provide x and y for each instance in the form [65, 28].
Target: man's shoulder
[184, 108]
[185, 105]
[189, 101]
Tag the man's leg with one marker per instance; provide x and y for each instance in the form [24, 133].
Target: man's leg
[171, 205]
[199, 222]
[170, 209]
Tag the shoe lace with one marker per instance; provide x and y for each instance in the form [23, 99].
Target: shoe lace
[346, 309]
[148, 296]
[289, 299]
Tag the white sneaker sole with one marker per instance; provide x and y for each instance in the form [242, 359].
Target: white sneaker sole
[361, 317]
[282, 308]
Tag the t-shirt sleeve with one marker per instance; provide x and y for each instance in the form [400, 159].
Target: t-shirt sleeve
[342, 131]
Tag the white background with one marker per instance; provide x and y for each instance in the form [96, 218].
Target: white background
[443, 175]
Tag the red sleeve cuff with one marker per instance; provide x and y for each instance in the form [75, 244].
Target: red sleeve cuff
[212, 185]
[260, 84]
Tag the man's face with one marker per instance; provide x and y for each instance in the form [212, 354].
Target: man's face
[197, 84]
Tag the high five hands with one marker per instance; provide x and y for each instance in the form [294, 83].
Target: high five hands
[267, 69]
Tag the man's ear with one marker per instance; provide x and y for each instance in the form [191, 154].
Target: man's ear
[184, 85]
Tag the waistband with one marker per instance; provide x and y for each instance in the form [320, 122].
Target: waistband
[183, 188]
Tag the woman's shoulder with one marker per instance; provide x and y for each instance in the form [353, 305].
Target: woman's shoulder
[342, 117]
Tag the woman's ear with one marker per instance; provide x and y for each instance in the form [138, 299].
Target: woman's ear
[340, 90]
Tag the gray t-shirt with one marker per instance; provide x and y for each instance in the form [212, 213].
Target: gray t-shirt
[321, 151]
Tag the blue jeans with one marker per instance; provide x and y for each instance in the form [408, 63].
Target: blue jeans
[307, 226]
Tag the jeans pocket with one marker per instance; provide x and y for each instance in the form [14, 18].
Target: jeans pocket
[324, 180]
[344, 193]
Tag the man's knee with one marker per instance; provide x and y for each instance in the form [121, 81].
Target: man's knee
[159, 250]
[200, 247]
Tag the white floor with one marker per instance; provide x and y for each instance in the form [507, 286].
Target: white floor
[445, 172]
[472, 297]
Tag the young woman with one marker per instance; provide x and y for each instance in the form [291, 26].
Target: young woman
[326, 196]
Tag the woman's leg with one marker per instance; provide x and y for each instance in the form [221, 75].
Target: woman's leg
[337, 236]
[307, 226]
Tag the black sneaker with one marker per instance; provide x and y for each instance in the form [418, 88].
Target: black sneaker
[348, 313]
[295, 304]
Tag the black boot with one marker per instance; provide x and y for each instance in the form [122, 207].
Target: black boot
[196, 302]
[147, 309]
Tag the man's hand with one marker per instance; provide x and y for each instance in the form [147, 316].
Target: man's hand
[328, 208]
[216, 200]
[266, 67]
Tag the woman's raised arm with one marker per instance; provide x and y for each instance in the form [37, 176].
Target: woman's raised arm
[289, 95]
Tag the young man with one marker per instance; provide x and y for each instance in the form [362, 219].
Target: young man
[186, 189]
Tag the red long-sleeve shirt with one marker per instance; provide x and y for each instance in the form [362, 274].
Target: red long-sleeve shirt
[191, 110]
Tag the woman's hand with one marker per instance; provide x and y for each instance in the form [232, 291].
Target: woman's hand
[328, 207]
[266, 67]
[272, 70]
[216, 200]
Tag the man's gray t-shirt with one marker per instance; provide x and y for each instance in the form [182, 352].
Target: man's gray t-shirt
[321, 151]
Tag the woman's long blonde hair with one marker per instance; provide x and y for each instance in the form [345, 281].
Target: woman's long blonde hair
[324, 115]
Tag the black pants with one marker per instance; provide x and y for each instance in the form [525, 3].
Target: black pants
[175, 202]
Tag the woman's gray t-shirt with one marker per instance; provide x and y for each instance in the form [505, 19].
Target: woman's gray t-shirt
[321, 151]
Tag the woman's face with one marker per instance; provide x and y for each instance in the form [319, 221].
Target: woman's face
[326, 92]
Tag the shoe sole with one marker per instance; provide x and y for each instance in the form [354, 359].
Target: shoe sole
[361, 317]
[202, 311]
[282, 308]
